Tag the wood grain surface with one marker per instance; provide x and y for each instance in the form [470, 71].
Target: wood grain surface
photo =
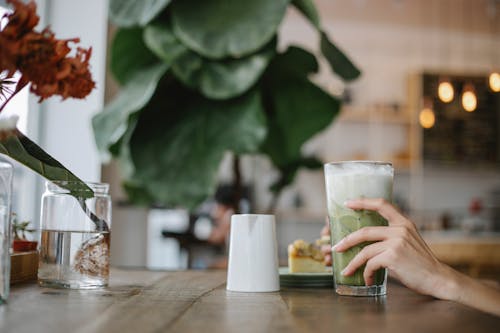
[197, 301]
[23, 266]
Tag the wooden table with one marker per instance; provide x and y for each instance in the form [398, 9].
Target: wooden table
[197, 301]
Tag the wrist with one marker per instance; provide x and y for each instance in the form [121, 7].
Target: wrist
[451, 282]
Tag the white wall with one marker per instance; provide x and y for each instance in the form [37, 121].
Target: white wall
[387, 51]
[67, 132]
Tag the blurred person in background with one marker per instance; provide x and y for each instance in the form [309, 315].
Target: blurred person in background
[221, 217]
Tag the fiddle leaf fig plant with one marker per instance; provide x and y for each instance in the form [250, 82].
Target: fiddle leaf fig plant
[200, 78]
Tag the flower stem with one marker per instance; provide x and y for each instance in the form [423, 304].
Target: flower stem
[20, 85]
[101, 225]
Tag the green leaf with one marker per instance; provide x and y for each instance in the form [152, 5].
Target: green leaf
[225, 78]
[296, 111]
[20, 148]
[295, 61]
[162, 42]
[127, 13]
[338, 61]
[129, 54]
[124, 158]
[111, 123]
[218, 29]
[308, 8]
[138, 194]
[302, 110]
[180, 140]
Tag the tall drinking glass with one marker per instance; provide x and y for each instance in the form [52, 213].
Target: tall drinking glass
[6, 173]
[353, 180]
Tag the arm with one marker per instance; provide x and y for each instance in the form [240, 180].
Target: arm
[400, 248]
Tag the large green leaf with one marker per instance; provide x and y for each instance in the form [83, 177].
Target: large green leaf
[112, 122]
[127, 13]
[338, 61]
[295, 61]
[302, 110]
[122, 148]
[136, 191]
[20, 148]
[222, 79]
[138, 194]
[179, 142]
[309, 10]
[162, 42]
[296, 110]
[129, 54]
[220, 28]
[217, 79]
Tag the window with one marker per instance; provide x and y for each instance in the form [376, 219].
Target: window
[62, 128]
[23, 203]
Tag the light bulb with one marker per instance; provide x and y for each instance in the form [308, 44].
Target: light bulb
[427, 118]
[445, 91]
[469, 99]
[494, 81]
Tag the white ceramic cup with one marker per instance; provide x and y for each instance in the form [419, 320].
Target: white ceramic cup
[253, 254]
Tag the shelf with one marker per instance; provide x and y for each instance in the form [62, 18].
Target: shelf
[375, 115]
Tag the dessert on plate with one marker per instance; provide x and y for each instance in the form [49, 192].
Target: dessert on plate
[304, 257]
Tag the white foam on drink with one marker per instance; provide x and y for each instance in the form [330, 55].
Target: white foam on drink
[353, 180]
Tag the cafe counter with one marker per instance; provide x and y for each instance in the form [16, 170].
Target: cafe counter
[476, 254]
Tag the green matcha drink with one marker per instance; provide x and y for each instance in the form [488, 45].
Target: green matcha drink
[353, 180]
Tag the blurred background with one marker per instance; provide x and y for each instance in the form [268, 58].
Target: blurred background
[426, 101]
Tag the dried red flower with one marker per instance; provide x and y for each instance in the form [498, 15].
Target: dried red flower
[42, 59]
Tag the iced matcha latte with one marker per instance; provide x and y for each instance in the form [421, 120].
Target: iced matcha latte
[352, 180]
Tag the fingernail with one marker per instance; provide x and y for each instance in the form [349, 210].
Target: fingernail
[334, 248]
[347, 202]
[344, 271]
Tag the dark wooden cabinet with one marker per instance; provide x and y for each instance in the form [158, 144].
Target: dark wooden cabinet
[460, 137]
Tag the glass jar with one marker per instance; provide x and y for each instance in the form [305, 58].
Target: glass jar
[75, 236]
[6, 173]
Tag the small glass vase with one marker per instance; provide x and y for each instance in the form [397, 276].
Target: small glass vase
[6, 174]
[75, 237]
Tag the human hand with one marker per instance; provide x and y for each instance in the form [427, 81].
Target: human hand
[326, 248]
[399, 248]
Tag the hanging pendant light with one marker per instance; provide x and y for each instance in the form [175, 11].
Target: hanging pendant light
[445, 91]
[469, 99]
[494, 81]
[426, 116]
